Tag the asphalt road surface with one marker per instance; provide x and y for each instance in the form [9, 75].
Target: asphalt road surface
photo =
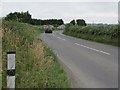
[88, 64]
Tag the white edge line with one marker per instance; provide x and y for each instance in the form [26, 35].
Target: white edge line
[93, 49]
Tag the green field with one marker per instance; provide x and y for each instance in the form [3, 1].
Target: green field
[36, 64]
[107, 34]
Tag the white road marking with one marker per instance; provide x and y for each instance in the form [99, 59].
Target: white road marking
[61, 38]
[92, 49]
[83, 45]
[61, 34]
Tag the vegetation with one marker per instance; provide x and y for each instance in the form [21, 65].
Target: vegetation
[81, 22]
[0, 57]
[73, 22]
[25, 17]
[108, 34]
[0, 53]
[36, 64]
[21, 17]
[54, 22]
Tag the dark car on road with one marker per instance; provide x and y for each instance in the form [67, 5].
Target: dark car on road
[48, 31]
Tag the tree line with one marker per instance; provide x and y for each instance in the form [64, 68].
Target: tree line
[19, 16]
[54, 22]
[25, 17]
[80, 22]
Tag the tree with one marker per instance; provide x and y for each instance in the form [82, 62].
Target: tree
[52, 22]
[36, 22]
[73, 22]
[21, 17]
[81, 22]
[25, 17]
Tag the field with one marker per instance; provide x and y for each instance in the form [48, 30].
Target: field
[36, 64]
[107, 34]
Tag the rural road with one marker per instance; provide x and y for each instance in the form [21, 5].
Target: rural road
[88, 64]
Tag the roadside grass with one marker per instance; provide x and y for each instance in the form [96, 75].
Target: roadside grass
[100, 34]
[0, 57]
[101, 39]
[36, 64]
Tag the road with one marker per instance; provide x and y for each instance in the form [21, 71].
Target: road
[88, 64]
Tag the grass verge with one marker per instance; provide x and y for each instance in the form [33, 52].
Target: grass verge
[101, 39]
[0, 57]
[36, 64]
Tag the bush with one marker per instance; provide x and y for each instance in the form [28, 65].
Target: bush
[81, 22]
[112, 32]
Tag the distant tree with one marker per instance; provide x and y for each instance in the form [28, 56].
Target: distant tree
[61, 22]
[21, 17]
[52, 22]
[81, 22]
[73, 22]
[25, 17]
[36, 22]
[11, 16]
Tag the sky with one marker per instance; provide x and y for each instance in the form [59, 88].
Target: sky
[59, 0]
[91, 12]
[119, 11]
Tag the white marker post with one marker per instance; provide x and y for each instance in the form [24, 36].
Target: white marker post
[11, 70]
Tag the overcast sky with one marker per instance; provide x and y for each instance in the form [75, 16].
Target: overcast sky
[91, 12]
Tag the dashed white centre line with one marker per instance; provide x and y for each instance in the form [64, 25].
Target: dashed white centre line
[92, 49]
[84, 46]
[61, 34]
[61, 38]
